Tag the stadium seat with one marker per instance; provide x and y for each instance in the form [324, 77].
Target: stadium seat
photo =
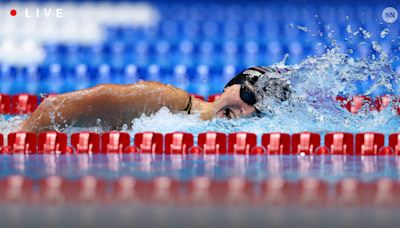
[24, 103]
[15, 188]
[53, 190]
[369, 143]
[178, 143]
[4, 103]
[213, 97]
[53, 142]
[149, 142]
[305, 143]
[47, 95]
[241, 143]
[21, 142]
[340, 143]
[115, 142]
[276, 143]
[197, 96]
[86, 142]
[212, 142]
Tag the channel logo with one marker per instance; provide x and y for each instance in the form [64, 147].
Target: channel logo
[39, 13]
[390, 15]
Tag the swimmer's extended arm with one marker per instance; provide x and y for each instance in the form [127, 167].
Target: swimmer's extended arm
[114, 105]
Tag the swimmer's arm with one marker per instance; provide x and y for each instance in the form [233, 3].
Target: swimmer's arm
[114, 105]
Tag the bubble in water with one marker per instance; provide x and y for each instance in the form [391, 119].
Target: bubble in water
[327, 26]
[98, 122]
[319, 44]
[347, 17]
[349, 29]
[393, 41]
[351, 43]
[345, 39]
[373, 56]
[316, 16]
[384, 32]
[305, 29]
[205, 81]
[291, 25]
[350, 50]
[125, 127]
[360, 44]
[356, 33]
[381, 23]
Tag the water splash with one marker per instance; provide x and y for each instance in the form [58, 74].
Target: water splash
[384, 32]
[305, 29]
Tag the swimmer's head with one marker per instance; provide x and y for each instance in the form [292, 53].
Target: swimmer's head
[240, 94]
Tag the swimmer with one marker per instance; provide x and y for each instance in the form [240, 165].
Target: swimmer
[117, 105]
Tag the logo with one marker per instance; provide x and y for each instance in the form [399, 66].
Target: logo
[45, 13]
[390, 15]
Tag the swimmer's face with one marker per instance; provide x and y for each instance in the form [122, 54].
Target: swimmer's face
[230, 105]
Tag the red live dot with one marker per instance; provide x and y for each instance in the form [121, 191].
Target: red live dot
[13, 12]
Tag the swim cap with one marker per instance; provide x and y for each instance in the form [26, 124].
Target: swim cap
[273, 87]
[250, 76]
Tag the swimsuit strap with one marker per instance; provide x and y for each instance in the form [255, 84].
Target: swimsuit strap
[189, 106]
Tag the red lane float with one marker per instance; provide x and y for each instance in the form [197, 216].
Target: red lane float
[311, 192]
[86, 190]
[305, 143]
[178, 143]
[53, 190]
[242, 143]
[197, 96]
[275, 191]
[5, 103]
[20, 142]
[53, 142]
[47, 96]
[24, 103]
[15, 189]
[235, 190]
[86, 142]
[116, 142]
[369, 143]
[125, 190]
[1, 141]
[350, 192]
[213, 97]
[340, 143]
[385, 193]
[160, 190]
[149, 142]
[276, 143]
[212, 142]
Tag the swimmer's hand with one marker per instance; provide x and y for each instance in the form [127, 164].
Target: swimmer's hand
[105, 105]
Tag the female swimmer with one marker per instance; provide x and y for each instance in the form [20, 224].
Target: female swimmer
[116, 105]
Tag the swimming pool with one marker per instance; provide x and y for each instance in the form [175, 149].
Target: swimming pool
[341, 81]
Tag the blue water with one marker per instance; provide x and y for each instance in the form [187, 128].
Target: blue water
[254, 168]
